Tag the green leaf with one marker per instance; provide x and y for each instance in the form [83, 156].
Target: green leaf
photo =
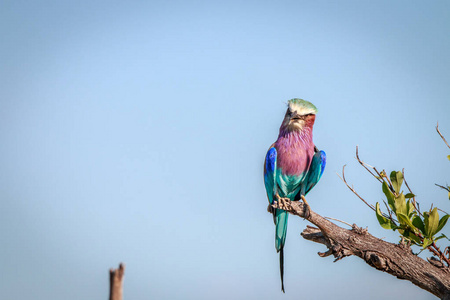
[442, 223]
[404, 220]
[426, 243]
[405, 231]
[415, 238]
[389, 195]
[418, 223]
[409, 195]
[384, 222]
[431, 221]
[410, 209]
[425, 222]
[397, 180]
[400, 205]
[448, 156]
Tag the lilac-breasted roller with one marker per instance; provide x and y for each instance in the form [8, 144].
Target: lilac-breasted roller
[293, 165]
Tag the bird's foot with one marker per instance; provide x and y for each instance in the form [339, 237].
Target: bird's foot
[283, 203]
[307, 210]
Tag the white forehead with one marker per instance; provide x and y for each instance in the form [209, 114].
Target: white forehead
[301, 109]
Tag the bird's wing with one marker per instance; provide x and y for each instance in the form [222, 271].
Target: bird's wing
[280, 216]
[315, 170]
[270, 170]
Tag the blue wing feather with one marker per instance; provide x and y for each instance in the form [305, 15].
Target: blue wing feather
[271, 184]
[270, 169]
[315, 170]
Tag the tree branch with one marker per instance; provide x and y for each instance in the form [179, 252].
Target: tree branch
[115, 282]
[440, 134]
[395, 259]
[353, 190]
[442, 187]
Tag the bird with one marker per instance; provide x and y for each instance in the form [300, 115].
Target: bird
[293, 165]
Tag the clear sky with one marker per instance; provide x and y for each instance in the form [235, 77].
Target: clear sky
[136, 131]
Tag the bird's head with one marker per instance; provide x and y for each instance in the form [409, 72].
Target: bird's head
[300, 114]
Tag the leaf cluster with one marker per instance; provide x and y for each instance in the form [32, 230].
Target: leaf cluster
[404, 216]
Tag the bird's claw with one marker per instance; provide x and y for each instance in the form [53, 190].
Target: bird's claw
[307, 210]
[282, 203]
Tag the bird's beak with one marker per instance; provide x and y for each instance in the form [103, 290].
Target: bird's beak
[297, 116]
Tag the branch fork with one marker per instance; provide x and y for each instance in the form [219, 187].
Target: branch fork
[395, 259]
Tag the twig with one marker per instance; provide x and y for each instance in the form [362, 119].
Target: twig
[415, 204]
[406, 183]
[443, 187]
[442, 137]
[437, 252]
[338, 221]
[364, 165]
[351, 189]
[389, 211]
[443, 211]
[379, 174]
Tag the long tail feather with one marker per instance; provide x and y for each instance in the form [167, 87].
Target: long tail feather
[282, 269]
[280, 236]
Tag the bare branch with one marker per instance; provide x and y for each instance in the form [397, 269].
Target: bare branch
[328, 218]
[440, 134]
[395, 259]
[443, 187]
[406, 183]
[415, 204]
[367, 165]
[443, 211]
[351, 189]
[389, 211]
[437, 252]
[116, 282]
[362, 199]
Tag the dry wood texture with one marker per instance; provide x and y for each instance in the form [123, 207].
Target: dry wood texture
[116, 282]
[395, 259]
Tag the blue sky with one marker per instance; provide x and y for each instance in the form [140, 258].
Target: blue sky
[136, 132]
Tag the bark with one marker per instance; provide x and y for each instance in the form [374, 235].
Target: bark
[116, 282]
[395, 259]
